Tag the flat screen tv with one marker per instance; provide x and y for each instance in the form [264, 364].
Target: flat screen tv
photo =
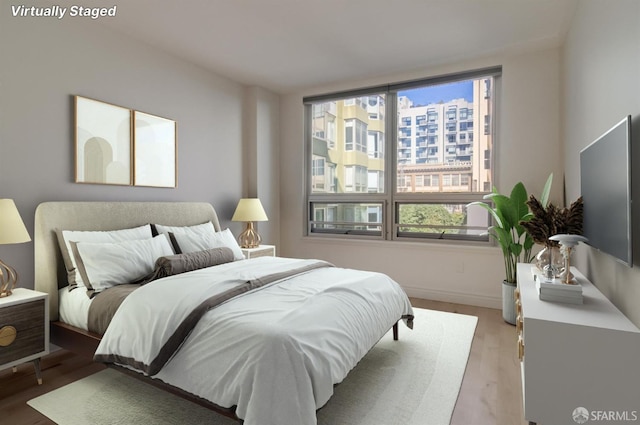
[605, 182]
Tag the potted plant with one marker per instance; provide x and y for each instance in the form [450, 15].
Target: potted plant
[508, 213]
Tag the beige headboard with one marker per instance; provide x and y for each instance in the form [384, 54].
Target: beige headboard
[49, 269]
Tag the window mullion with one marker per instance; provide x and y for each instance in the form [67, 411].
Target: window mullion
[391, 163]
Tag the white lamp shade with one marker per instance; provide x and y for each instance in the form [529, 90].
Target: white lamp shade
[249, 209]
[12, 229]
[568, 240]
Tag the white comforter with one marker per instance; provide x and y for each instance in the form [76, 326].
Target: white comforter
[276, 352]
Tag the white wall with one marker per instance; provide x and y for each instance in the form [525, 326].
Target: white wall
[529, 148]
[601, 71]
[261, 146]
[47, 61]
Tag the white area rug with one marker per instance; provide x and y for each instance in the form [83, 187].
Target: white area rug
[413, 381]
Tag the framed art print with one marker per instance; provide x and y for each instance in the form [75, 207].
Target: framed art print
[154, 151]
[103, 142]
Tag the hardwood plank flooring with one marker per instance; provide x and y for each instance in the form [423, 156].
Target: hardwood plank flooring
[491, 391]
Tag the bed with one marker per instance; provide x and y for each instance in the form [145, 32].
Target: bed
[270, 354]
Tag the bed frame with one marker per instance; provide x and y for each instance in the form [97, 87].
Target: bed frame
[50, 273]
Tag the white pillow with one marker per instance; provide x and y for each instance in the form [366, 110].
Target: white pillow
[103, 265]
[65, 237]
[192, 242]
[188, 230]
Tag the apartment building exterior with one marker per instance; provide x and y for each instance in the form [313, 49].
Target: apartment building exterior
[441, 146]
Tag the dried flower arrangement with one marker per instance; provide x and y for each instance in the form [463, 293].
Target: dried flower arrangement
[552, 220]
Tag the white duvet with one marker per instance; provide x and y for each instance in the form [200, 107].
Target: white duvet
[275, 352]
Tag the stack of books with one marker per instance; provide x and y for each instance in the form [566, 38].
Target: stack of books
[558, 292]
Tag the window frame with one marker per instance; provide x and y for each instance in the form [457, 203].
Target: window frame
[392, 198]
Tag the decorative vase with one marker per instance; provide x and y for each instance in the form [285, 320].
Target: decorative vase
[550, 255]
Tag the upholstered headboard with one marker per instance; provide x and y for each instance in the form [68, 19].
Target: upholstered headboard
[49, 268]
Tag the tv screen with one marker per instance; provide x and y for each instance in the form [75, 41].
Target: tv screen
[605, 182]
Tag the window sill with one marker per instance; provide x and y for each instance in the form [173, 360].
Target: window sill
[428, 245]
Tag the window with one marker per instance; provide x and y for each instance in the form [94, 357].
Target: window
[356, 178]
[324, 123]
[355, 135]
[375, 144]
[318, 180]
[487, 124]
[377, 177]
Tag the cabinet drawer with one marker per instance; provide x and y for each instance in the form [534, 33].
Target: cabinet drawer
[28, 321]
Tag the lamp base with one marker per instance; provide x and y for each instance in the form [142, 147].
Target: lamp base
[8, 279]
[249, 238]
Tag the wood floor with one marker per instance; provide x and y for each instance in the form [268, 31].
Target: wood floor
[490, 394]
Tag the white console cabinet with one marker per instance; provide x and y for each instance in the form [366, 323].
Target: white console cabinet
[576, 356]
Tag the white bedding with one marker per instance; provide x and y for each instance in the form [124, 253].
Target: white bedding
[274, 353]
[74, 307]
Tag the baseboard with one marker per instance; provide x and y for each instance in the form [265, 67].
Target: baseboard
[454, 297]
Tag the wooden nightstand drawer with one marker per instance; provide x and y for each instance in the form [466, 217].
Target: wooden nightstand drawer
[26, 319]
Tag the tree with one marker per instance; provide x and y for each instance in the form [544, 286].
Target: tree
[431, 215]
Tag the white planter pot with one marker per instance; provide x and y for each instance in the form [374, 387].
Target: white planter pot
[508, 303]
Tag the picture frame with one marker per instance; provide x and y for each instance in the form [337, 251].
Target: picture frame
[155, 151]
[103, 139]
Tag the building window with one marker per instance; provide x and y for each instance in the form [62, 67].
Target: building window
[432, 176]
[487, 124]
[375, 144]
[356, 178]
[355, 135]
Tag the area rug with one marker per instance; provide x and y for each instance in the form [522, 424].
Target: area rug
[413, 381]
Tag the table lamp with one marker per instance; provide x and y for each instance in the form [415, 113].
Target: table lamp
[567, 242]
[12, 231]
[249, 210]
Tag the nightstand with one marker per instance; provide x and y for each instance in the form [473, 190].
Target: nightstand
[261, 251]
[24, 329]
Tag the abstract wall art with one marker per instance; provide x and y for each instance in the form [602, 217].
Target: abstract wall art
[154, 150]
[103, 142]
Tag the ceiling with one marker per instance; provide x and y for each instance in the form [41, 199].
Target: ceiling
[287, 45]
